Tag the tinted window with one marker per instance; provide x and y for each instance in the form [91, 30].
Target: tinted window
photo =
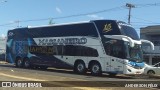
[71, 50]
[83, 29]
[66, 50]
[115, 48]
[130, 32]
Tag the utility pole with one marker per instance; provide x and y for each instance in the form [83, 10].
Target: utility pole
[130, 6]
[18, 22]
[51, 21]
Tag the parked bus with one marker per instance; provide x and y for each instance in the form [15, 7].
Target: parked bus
[98, 46]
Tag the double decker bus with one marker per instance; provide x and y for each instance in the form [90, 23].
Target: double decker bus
[98, 46]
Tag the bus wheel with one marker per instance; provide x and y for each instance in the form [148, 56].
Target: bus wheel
[26, 63]
[112, 74]
[95, 69]
[43, 67]
[19, 62]
[80, 67]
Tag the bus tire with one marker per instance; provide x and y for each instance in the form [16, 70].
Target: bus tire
[112, 74]
[43, 67]
[96, 69]
[150, 72]
[26, 63]
[19, 62]
[80, 67]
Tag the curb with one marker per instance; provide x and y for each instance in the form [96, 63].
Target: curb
[144, 76]
[3, 62]
[154, 76]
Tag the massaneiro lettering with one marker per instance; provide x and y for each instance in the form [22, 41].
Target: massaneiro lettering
[60, 41]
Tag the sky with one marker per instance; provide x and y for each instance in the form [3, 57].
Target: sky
[23, 13]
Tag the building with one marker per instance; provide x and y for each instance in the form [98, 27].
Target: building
[2, 48]
[151, 33]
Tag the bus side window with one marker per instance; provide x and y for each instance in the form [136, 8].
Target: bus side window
[91, 52]
[69, 50]
[60, 50]
[117, 50]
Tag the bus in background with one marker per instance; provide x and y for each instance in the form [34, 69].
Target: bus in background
[98, 46]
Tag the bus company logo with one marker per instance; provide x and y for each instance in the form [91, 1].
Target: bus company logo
[10, 34]
[107, 27]
[60, 41]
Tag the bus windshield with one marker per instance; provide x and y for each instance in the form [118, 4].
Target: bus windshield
[122, 49]
[133, 53]
[129, 31]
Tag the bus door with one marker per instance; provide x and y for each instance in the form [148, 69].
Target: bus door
[116, 65]
[117, 55]
[114, 49]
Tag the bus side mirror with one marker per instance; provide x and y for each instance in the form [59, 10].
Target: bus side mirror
[131, 42]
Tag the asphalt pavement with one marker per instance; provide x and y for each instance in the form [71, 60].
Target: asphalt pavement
[65, 79]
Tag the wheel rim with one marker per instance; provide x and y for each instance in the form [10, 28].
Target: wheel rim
[151, 72]
[95, 68]
[19, 62]
[26, 64]
[80, 67]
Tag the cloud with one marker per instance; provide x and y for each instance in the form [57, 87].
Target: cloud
[58, 10]
[95, 16]
[3, 36]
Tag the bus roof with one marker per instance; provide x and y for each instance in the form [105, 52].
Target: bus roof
[61, 24]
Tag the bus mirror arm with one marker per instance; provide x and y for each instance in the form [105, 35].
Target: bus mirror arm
[131, 42]
[147, 41]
